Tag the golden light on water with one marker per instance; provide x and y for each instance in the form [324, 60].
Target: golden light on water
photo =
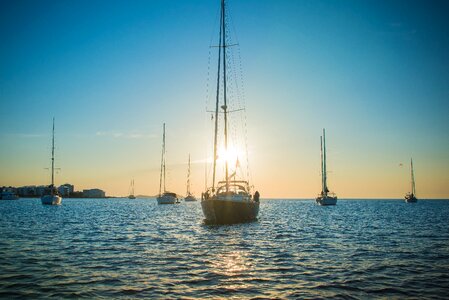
[230, 264]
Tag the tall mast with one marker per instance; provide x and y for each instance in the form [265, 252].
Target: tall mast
[164, 155]
[225, 107]
[162, 162]
[413, 176]
[132, 187]
[217, 103]
[188, 178]
[324, 162]
[53, 155]
[322, 172]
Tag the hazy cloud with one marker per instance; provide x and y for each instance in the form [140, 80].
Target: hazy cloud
[125, 135]
[25, 135]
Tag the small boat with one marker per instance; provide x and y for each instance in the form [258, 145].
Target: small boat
[189, 197]
[411, 197]
[131, 190]
[51, 196]
[229, 201]
[325, 197]
[8, 195]
[165, 197]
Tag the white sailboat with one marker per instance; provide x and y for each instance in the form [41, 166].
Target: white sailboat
[189, 197]
[52, 197]
[165, 197]
[131, 190]
[411, 197]
[230, 200]
[325, 197]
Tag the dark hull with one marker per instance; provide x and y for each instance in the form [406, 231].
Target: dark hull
[411, 200]
[326, 201]
[229, 212]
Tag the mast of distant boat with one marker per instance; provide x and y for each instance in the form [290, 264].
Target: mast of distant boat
[132, 187]
[322, 170]
[188, 178]
[53, 155]
[164, 159]
[413, 177]
[162, 176]
[324, 163]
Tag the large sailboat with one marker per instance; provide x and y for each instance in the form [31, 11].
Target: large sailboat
[131, 190]
[228, 201]
[51, 196]
[190, 197]
[165, 197]
[411, 197]
[325, 197]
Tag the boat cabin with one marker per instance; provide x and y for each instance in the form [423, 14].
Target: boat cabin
[169, 194]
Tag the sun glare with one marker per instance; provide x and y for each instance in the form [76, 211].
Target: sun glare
[231, 155]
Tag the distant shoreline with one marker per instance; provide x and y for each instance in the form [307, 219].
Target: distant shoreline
[350, 199]
[263, 199]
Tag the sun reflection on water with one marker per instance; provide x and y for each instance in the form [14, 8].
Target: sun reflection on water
[230, 264]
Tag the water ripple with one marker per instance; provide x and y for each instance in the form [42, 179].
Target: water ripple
[121, 248]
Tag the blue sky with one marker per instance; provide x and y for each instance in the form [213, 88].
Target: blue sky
[374, 73]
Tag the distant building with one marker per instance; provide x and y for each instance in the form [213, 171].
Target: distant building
[32, 191]
[94, 193]
[27, 191]
[8, 193]
[40, 190]
[63, 191]
[66, 189]
[9, 189]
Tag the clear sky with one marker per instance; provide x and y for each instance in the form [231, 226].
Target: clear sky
[375, 74]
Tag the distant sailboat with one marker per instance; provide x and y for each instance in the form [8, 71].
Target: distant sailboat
[165, 197]
[230, 201]
[411, 197]
[189, 197]
[52, 197]
[325, 198]
[131, 190]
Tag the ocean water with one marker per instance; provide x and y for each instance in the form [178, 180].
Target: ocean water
[120, 248]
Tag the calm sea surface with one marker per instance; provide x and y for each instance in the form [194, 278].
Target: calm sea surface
[124, 248]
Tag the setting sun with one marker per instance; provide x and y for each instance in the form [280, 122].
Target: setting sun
[230, 155]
